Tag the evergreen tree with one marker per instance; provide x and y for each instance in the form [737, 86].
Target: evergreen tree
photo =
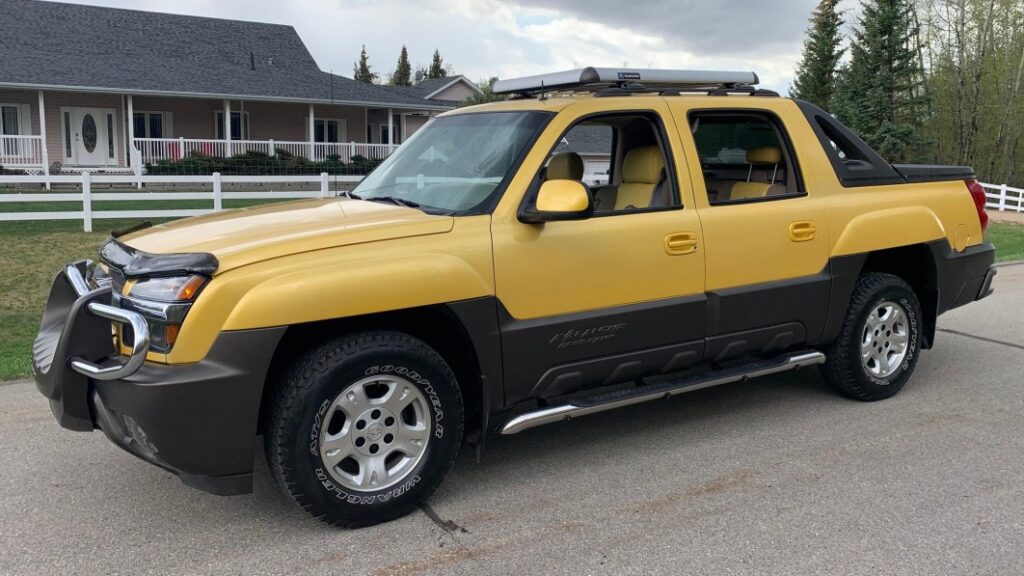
[361, 71]
[816, 73]
[487, 93]
[437, 67]
[881, 92]
[403, 71]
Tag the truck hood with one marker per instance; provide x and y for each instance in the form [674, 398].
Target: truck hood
[249, 235]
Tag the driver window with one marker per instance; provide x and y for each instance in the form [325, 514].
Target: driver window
[621, 159]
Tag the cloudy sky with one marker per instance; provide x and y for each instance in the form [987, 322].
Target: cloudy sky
[506, 38]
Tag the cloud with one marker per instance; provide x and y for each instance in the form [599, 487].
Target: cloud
[506, 38]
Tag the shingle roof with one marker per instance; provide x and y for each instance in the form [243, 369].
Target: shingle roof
[587, 139]
[425, 88]
[71, 45]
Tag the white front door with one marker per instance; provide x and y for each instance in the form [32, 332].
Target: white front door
[92, 137]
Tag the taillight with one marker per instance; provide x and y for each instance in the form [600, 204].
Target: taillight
[978, 195]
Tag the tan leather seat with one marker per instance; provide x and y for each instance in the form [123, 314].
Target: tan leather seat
[763, 156]
[565, 166]
[643, 170]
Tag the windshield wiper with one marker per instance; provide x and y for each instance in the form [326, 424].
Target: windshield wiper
[394, 200]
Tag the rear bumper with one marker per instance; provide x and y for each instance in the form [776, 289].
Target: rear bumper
[198, 421]
[964, 277]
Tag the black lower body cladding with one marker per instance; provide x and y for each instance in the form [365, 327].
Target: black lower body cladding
[196, 420]
[963, 277]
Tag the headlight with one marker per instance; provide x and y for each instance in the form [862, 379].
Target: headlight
[164, 302]
[175, 289]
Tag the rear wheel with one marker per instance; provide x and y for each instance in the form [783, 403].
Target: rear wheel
[878, 345]
[364, 428]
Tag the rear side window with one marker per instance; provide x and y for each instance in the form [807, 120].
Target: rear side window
[745, 156]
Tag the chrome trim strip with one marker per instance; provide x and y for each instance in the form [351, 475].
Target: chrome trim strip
[75, 278]
[569, 411]
[140, 345]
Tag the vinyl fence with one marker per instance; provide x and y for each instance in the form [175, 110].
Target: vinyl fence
[1000, 196]
[1004, 198]
[325, 186]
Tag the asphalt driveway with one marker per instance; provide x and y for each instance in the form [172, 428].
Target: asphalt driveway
[772, 476]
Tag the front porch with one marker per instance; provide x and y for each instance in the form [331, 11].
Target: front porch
[44, 132]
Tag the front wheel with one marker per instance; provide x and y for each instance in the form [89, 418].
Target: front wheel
[364, 428]
[879, 343]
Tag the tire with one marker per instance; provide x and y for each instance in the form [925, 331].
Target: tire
[865, 362]
[355, 459]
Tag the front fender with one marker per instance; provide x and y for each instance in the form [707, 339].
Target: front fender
[889, 228]
[341, 282]
[356, 289]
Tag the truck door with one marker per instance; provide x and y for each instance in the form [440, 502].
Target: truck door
[766, 243]
[614, 297]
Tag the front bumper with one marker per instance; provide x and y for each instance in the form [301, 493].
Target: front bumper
[198, 421]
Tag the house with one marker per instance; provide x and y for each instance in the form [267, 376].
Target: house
[111, 89]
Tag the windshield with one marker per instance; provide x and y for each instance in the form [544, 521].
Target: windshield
[454, 164]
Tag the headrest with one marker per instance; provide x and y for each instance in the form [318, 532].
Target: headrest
[764, 155]
[643, 165]
[565, 166]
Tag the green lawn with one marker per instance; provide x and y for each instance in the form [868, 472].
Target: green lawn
[33, 252]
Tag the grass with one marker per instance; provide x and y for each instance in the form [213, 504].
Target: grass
[1008, 238]
[33, 252]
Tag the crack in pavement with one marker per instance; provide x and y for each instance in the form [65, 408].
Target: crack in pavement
[449, 527]
[982, 338]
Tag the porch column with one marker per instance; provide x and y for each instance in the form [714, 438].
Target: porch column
[402, 128]
[391, 130]
[312, 138]
[131, 133]
[42, 132]
[227, 128]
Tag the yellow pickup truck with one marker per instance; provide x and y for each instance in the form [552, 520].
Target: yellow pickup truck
[474, 283]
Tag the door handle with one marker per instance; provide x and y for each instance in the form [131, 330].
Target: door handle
[680, 243]
[802, 231]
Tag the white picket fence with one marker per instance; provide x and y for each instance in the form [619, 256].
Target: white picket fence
[216, 195]
[1002, 197]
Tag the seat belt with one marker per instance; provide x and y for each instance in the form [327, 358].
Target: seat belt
[657, 188]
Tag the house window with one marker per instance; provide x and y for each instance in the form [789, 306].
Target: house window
[110, 135]
[369, 134]
[329, 130]
[67, 134]
[239, 125]
[152, 124]
[13, 122]
[395, 139]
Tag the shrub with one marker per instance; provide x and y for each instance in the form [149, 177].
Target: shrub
[258, 163]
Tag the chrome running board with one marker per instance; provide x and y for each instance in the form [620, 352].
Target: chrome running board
[646, 393]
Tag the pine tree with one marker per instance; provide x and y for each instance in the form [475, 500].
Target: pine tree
[816, 73]
[881, 92]
[403, 71]
[361, 71]
[437, 67]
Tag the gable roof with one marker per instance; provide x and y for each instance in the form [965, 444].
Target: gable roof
[72, 46]
[430, 87]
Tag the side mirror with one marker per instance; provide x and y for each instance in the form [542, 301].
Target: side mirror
[559, 200]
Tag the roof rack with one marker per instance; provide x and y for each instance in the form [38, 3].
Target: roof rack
[627, 80]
